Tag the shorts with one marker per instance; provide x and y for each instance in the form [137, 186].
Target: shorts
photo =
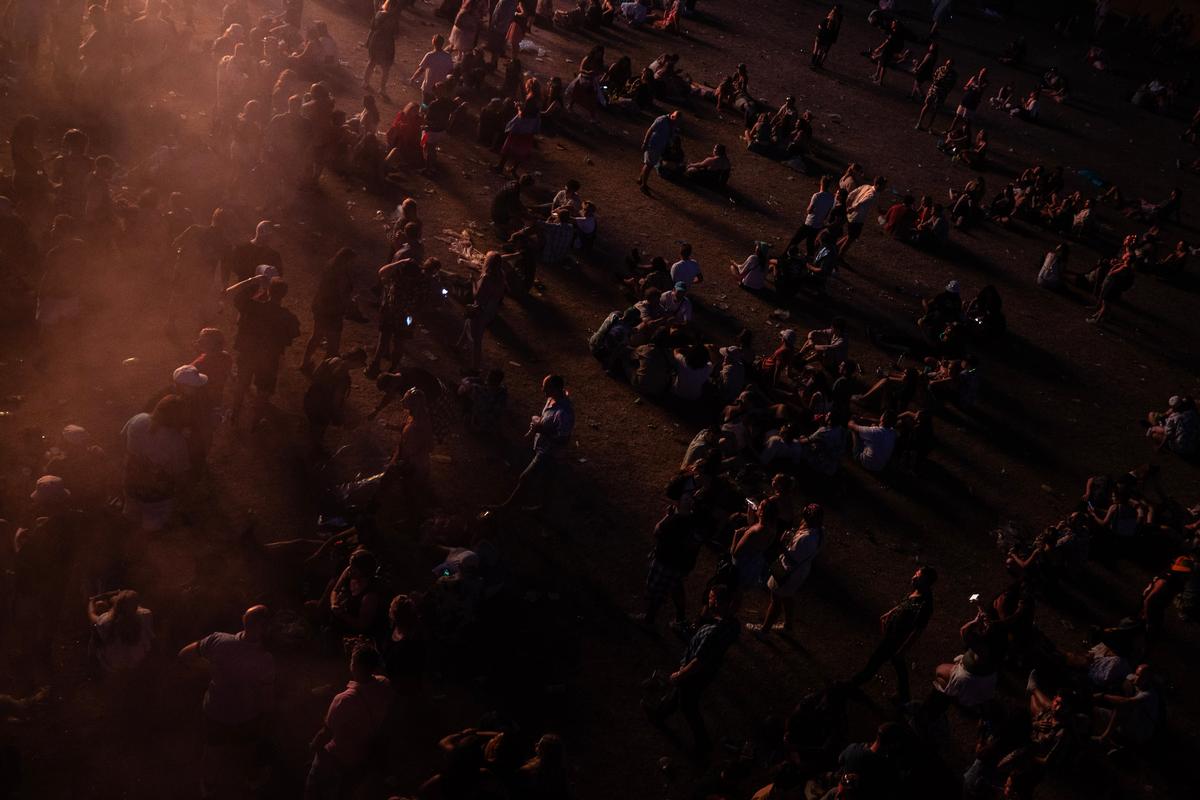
[935, 96]
[651, 158]
[854, 230]
[969, 690]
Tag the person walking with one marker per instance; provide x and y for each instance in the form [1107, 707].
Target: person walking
[716, 631]
[901, 626]
[654, 143]
[551, 433]
[240, 695]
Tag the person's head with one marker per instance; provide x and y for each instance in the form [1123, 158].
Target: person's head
[879, 183]
[838, 324]
[365, 662]
[554, 386]
[263, 232]
[75, 142]
[342, 259]
[210, 340]
[826, 182]
[168, 413]
[50, 492]
[492, 262]
[680, 290]
[924, 578]
[254, 623]
[685, 250]
[403, 614]
[572, 186]
[187, 379]
[887, 419]
[719, 599]
[813, 515]
[719, 150]
[439, 41]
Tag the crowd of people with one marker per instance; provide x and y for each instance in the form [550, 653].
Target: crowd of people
[785, 426]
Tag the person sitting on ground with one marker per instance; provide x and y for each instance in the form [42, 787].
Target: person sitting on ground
[1135, 714]
[874, 444]
[826, 346]
[712, 172]
[692, 371]
[900, 218]
[752, 273]
[1177, 430]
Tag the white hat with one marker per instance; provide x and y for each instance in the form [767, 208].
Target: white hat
[50, 488]
[76, 435]
[267, 270]
[788, 335]
[189, 376]
[952, 287]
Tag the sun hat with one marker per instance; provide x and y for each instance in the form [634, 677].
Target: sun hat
[189, 376]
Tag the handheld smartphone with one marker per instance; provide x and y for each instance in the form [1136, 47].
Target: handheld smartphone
[445, 292]
[973, 598]
[753, 506]
[408, 320]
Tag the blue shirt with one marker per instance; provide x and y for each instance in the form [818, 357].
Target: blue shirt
[659, 135]
[554, 429]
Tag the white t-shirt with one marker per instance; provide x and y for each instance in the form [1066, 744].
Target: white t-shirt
[859, 203]
[752, 273]
[686, 270]
[679, 308]
[875, 446]
[818, 209]
[117, 655]
[689, 382]
[1048, 275]
[436, 64]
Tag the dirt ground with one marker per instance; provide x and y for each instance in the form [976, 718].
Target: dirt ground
[1060, 403]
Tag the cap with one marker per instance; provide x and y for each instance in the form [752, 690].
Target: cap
[952, 287]
[189, 376]
[788, 335]
[267, 270]
[76, 435]
[680, 286]
[49, 488]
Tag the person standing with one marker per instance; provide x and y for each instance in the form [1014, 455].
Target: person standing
[678, 537]
[551, 435]
[487, 295]
[240, 695]
[859, 204]
[901, 626]
[654, 143]
[333, 299]
[790, 570]
[352, 724]
[156, 462]
[265, 330]
[815, 215]
[435, 65]
[381, 45]
[716, 630]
